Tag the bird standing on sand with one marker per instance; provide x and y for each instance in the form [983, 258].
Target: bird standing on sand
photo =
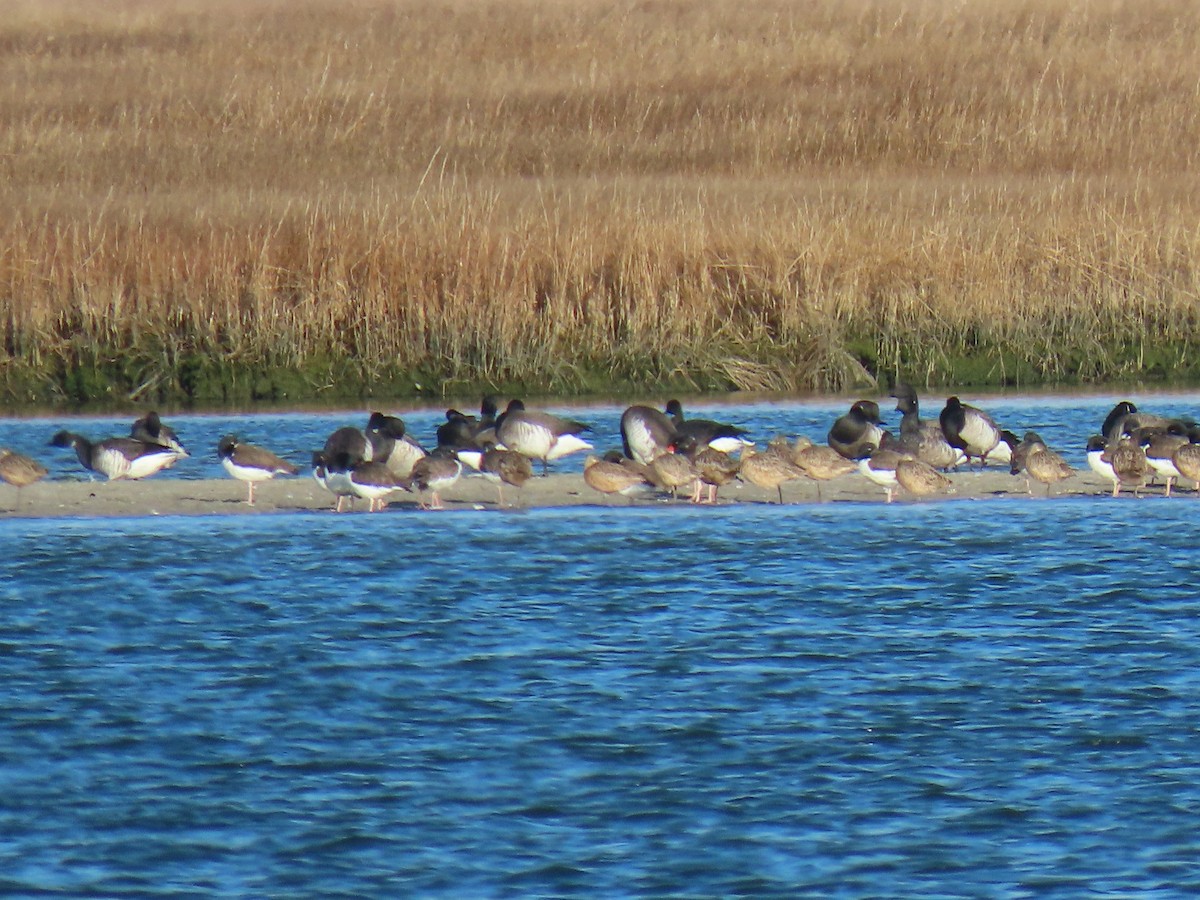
[503, 467]
[250, 463]
[969, 429]
[879, 465]
[374, 481]
[714, 468]
[1160, 447]
[1187, 461]
[1039, 462]
[671, 471]
[19, 470]
[539, 435]
[116, 457]
[616, 476]
[1130, 466]
[434, 473]
[820, 463]
[768, 470]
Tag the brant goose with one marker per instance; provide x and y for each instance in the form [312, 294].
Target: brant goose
[853, 432]
[117, 457]
[646, 432]
[969, 429]
[707, 432]
[539, 435]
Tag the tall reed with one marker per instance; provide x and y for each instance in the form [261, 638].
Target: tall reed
[212, 200]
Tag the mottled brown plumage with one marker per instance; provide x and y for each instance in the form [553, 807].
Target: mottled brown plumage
[671, 471]
[1129, 465]
[1187, 461]
[919, 478]
[19, 470]
[1047, 467]
[768, 470]
[714, 468]
[822, 463]
[611, 477]
[503, 467]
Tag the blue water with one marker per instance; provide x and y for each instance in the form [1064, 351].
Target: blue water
[985, 699]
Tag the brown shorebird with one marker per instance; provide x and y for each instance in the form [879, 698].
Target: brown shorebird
[714, 469]
[671, 471]
[921, 479]
[1039, 462]
[769, 469]
[1129, 464]
[503, 467]
[609, 476]
[821, 463]
[1187, 461]
[20, 471]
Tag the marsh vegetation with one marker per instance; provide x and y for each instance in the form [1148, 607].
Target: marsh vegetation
[215, 201]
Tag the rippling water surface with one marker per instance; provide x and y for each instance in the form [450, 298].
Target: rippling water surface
[984, 699]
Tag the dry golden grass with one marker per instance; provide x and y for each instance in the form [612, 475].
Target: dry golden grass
[771, 195]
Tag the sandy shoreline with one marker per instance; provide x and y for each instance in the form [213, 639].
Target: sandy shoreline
[150, 497]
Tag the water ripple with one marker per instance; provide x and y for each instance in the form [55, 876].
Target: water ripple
[767, 701]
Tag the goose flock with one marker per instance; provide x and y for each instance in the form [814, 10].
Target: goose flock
[661, 453]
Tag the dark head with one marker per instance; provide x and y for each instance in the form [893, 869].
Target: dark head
[674, 409]
[387, 426]
[866, 451]
[906, 398]
[1096, 442]
[514, 406]
[63, 439]
[867, 409]
[227, 445]
[152, 424]
[1116, 418]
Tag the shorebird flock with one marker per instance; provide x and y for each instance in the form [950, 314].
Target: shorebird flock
[662, 453]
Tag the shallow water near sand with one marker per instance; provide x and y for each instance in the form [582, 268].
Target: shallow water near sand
[984, 699]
